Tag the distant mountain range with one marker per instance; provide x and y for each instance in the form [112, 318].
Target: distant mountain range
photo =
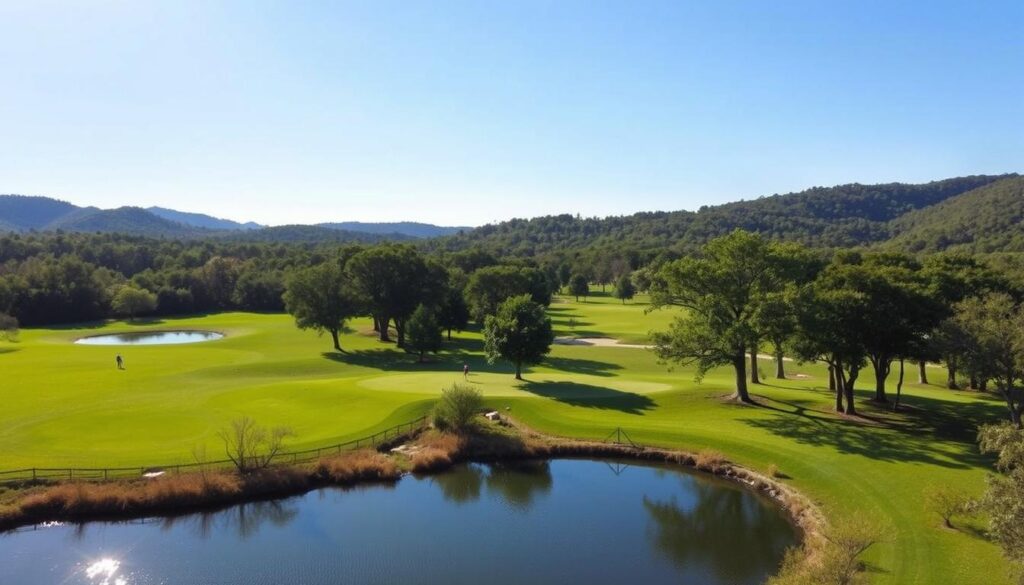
[982, 213]
[20, 213]
[407, 228]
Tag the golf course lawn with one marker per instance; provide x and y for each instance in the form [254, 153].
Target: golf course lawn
[68, 405]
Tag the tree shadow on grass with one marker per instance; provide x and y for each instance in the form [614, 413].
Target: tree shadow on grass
[921, 437]
[452, 358]
[145, 321]
[582, 366]
[589, 396]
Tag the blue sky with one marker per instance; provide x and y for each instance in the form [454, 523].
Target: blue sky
[471, 112]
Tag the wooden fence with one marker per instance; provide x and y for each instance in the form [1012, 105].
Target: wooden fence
[100, 473]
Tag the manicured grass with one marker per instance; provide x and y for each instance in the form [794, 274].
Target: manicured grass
[65, 404]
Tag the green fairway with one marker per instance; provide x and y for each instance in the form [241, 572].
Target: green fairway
[68, 405]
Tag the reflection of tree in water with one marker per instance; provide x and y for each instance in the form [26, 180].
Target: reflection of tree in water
[727, 530]
[518, 483]
[461, 484]
[244, 519]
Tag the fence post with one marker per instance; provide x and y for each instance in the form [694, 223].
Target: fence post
[33, 474]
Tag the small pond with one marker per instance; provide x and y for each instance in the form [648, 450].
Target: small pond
[563, 521]
[150, 338]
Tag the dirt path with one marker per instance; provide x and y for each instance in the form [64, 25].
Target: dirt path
[610, 342]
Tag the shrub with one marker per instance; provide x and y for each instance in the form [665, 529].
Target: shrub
[946, 502]
[356, 466]
[709, 460]
[251, 446]
[836, 561]
[458, 407]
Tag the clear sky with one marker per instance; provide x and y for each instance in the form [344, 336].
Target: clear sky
[471, 112]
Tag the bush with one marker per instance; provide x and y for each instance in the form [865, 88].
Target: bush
[458, 407]
[835, 562]
[946, 502]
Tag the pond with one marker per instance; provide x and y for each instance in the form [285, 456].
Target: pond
[560, 521]
[150, 338]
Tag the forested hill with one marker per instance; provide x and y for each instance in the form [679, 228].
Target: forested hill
[841, 216]
[405, 228]
[20, 213]
[981, 213]
[988, 219]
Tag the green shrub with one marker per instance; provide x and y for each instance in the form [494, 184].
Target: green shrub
[458, 407]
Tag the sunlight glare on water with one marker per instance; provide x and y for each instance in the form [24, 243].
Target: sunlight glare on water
[104, 572]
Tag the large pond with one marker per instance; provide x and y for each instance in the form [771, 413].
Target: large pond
[150, 338]
[563, 521]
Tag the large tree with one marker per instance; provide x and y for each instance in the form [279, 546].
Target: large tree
[624, 289]
[321, 298]
[827, 330]
[453, 313]
[8, 326]
[994, 329]
[519, 332]
[491, 286]
[720, 290]
[423, 332]
[579, 286]
[131, 301]
[394, 280]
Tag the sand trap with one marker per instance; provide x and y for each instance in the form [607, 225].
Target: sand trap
[610, 342]
[597, 342]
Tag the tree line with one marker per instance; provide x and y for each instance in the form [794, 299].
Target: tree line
[744, 294]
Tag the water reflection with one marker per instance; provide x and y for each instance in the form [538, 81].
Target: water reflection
[243, 520]
[516, 483]
[520, 483]
[104, 572]
[541, 522]
[150, 338]
[462, 484]
[720, 525]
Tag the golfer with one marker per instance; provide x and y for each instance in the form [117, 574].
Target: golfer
[120, 362]
[465, 371]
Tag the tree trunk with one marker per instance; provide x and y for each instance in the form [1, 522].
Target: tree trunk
[899, 387]
[848, 390]
[384, 321]
[983, 385]
[780, 368]
[400, 331]
[334, 337]
[951, 376]
[376, 323]
[922, 374]
[449, 334]
[519, 371]
[835, 382]
[755, 377]
[882, 367]
[973, 382]
[421, 357]
[740, 364]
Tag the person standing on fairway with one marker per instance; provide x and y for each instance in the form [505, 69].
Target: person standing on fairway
[465, 371]
[120, 362]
